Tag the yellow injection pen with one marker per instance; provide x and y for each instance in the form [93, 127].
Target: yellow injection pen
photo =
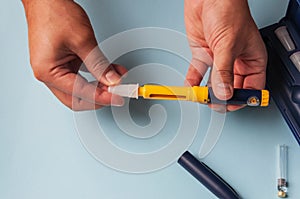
[201, 94]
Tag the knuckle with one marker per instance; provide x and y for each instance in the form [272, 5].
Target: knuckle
[97, 63]
[222, 38]
[99, 66]
[38, 75]
[83, 38]
[38, 71]
[225, 74]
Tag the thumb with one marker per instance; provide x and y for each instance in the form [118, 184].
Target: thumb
[222, 74]
[96, 62]
[83, 43]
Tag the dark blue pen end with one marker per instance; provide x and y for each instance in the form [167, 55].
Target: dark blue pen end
[207, 177]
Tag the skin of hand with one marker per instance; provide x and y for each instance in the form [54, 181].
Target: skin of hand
[61, 38]
[222, 34]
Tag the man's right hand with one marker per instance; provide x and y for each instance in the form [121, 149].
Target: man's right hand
[222, 34]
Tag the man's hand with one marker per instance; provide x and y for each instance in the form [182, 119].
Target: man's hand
[222, 34]
[60, 39]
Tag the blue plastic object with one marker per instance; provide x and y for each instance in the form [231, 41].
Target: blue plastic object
[283, 78]
[241, 96]
[207, 177]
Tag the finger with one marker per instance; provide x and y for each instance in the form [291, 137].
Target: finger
[96, 62]
[196, 72]
[200, 62]
[249, 74]
[255, 81]
[222, 74]
[235, 107]
[239, 81]
[74, 103]
[120, 69]
[221, 108]
[78, 86]
[208, 84]
[193, 77]
[85, 46]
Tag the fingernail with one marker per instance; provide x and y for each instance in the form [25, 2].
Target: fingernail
[117, 101]
[112, 77]
[224, 91]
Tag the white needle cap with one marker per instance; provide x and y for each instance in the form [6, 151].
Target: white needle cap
[285, 38]
[125, 90]
[296, 59]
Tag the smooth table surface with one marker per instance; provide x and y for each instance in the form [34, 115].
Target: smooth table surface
[41, 155]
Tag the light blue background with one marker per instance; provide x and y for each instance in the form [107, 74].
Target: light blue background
[41, 155]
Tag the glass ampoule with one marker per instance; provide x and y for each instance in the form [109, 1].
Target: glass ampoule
[282, 171]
